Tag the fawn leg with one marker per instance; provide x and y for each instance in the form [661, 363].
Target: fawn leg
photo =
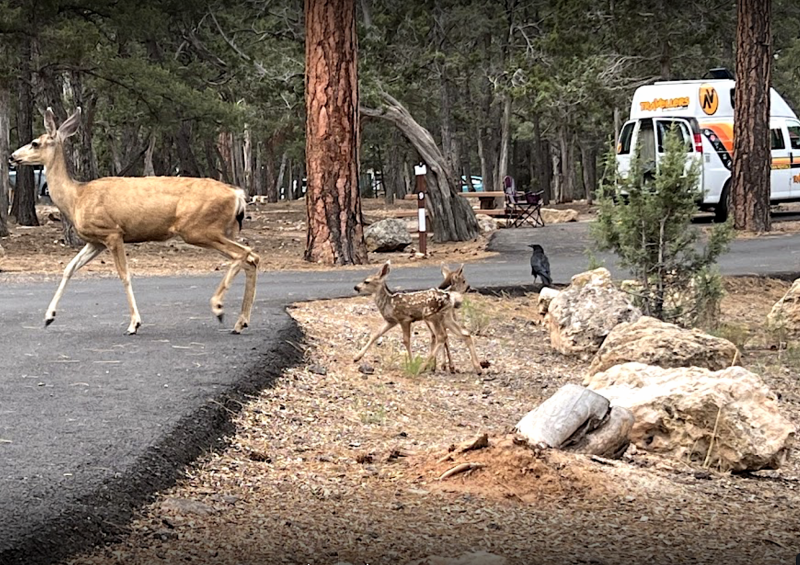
[457, 328]
[386, 327]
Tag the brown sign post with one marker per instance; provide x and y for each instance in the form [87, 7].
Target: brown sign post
[422, 188]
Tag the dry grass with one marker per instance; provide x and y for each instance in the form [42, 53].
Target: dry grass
[344, 467]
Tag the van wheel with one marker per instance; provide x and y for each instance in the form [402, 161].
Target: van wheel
[723, 207]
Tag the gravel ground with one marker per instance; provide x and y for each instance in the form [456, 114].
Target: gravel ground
[342, 463]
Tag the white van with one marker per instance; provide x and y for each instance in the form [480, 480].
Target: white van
[702, 111]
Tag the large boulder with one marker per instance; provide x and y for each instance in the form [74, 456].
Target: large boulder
[557, 216]
[728, 420]
[386, 235]
[581, 316]
[785, 314]
[653, 342]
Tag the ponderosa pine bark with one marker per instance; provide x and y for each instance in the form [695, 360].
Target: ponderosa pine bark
[24, 205]
[751, 156]
[335, 232]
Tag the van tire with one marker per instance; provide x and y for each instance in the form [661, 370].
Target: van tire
[722, 209]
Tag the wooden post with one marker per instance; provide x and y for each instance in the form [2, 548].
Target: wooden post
[422, 188]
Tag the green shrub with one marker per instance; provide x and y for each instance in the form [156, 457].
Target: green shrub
[645, 218]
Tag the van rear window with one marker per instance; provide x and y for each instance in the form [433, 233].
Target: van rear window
[624, 146]
[777, 141]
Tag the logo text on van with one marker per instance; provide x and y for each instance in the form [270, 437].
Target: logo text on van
[709, 99]
[665, 104]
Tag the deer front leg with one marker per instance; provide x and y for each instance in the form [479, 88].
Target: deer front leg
[386, 327]
[118, 253]
[89, 252]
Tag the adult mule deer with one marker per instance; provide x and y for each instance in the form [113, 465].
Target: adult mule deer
[109, 212]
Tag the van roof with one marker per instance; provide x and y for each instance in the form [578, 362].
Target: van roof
[712, 98]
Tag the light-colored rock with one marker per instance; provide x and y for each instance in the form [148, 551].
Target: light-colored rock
[581, 316]
[785, 314]
[653, 342]
[390, 234]
[555, 420]
[186, 506]
[478, 558]
[727, 419]
[556, 216]
[486, 224]
[546, 296]
[579, 420]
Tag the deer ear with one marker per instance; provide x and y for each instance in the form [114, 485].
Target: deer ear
[460, 269]
[445, 270]
[50, 122]
[70, 126]
[386, 268]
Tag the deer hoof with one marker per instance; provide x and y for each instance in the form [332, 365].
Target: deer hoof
[221, 317]
[48, 321]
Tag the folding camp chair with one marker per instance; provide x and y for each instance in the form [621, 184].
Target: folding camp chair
[524, 208]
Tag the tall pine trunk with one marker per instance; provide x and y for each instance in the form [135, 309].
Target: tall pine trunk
[751, 156]
[335, 232]
[24, 205]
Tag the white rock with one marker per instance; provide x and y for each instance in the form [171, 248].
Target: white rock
[390, 234]
[653, 342]
[486, 224]
[556, 216]
[730, 417]
[546, 296]
[581, 316]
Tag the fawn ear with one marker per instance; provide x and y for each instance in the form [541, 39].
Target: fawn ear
[50, 122]
[386, 268]
[445, 270]
[460, 269]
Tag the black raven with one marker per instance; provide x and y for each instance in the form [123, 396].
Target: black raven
[540, 265]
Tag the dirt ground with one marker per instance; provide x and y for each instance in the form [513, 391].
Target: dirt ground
[340, 462]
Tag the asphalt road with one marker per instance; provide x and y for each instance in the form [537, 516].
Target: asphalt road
[92, 422]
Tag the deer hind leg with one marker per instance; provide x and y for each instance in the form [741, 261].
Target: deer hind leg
[89, 252]
[117, 249]
[243, 258]
[386, 327]
[453, 325]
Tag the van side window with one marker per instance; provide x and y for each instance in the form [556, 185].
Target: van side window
[776, 136]
[794, 136]
[625, 137]
[665, 126]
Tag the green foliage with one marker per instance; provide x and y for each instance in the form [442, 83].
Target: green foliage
[413, 366]
[645, 218]
[476, 319]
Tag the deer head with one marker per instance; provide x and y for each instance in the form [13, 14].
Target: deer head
[373, 282]
[454, 280]
[43, 149]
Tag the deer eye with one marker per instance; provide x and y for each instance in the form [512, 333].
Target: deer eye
[34, 144]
